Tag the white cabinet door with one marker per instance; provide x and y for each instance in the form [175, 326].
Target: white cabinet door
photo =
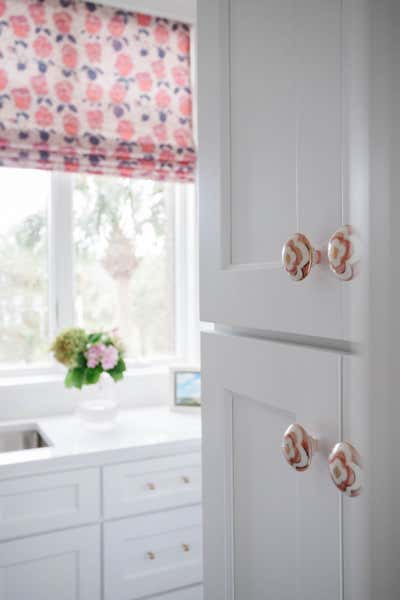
[55, 566]
[279, 129]
[270, 532]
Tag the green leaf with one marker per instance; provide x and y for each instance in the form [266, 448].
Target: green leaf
[92, 376]
[117, 373]
[93, 338]
[75, 377]
[81, 360]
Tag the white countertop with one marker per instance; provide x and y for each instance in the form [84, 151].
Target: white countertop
[139, 433]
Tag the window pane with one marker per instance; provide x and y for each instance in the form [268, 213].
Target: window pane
[23, 266]
[123, 238]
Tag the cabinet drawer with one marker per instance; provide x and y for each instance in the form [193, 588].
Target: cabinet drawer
[46, 502]
[145, 486]
[152, 554]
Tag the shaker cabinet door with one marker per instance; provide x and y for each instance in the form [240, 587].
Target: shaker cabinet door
[55, 566]
[278, 131]
[270, 531]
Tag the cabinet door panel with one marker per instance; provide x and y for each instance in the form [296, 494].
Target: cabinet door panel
[62, 566]
[277, 532]
[274, 127]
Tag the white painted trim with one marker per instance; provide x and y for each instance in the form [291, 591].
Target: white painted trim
[179, 10]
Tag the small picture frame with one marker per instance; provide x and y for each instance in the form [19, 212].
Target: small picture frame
[185, 383]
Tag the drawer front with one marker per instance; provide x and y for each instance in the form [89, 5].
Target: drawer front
[46, 502]
[152, 554]
[150, 485]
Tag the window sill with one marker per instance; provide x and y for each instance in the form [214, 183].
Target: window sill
[44, 394]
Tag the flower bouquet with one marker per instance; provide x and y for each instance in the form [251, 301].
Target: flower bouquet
[88, 356]
[94, 360]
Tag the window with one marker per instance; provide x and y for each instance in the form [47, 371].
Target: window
[98, 252]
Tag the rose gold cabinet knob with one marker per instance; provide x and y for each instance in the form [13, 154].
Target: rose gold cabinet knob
[298, 256]
[344, 253]
[298, 447]
[345, 467]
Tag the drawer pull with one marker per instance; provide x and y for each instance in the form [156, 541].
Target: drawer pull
[185, 547]
[151, 555]
[151, 486]
[185, 479]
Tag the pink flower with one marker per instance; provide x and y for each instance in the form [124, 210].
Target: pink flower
[92, 23]
[163, 99]
[95, 119]
[145, 81]
[64, 91]
[94, 92]
[69, 56]
[116, 25]
[63, 21]
[22, 98]
[42, 46]
[3, 79]
[93, 50]
[158, 67]
[125, 130]
[109, 358]
[37, 12]
[2, 7]
[160, 131]
[181, 75]
[94, 355]
[124, 64]
[184, 42]
[147, 145]
[161, 34]
[117, 93]
[20, 25]
[43, 117]
[143, 20]
[182, 137]
[185, 106]
[39, 84]
[71, 125]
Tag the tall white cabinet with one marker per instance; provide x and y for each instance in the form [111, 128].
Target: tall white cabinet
[284, 148]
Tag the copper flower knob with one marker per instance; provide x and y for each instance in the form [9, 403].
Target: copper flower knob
[345, 467]
[298, 447]
[298, 256]
[344, 253]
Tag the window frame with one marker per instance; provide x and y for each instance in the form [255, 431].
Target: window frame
[61, 286]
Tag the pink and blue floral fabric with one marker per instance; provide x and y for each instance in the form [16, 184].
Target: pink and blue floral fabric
[84, 87]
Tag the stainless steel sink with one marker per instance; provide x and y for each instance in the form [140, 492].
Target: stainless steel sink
[21, 439]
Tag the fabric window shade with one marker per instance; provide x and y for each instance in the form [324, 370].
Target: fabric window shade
[85, 87]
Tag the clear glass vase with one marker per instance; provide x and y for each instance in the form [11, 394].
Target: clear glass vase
[98, 405]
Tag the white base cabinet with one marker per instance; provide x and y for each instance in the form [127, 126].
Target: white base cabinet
[142, 518]
[62, 566]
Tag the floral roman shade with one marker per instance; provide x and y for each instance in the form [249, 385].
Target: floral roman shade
[84, 87]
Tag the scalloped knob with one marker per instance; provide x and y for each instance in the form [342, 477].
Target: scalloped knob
[344, 253]
[345, 467]
[298, 256]
[298, 447]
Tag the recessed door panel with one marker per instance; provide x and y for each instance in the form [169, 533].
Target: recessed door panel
[270, 532]
[278, 128]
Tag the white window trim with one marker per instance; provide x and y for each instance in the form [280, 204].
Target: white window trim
[61, 283]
